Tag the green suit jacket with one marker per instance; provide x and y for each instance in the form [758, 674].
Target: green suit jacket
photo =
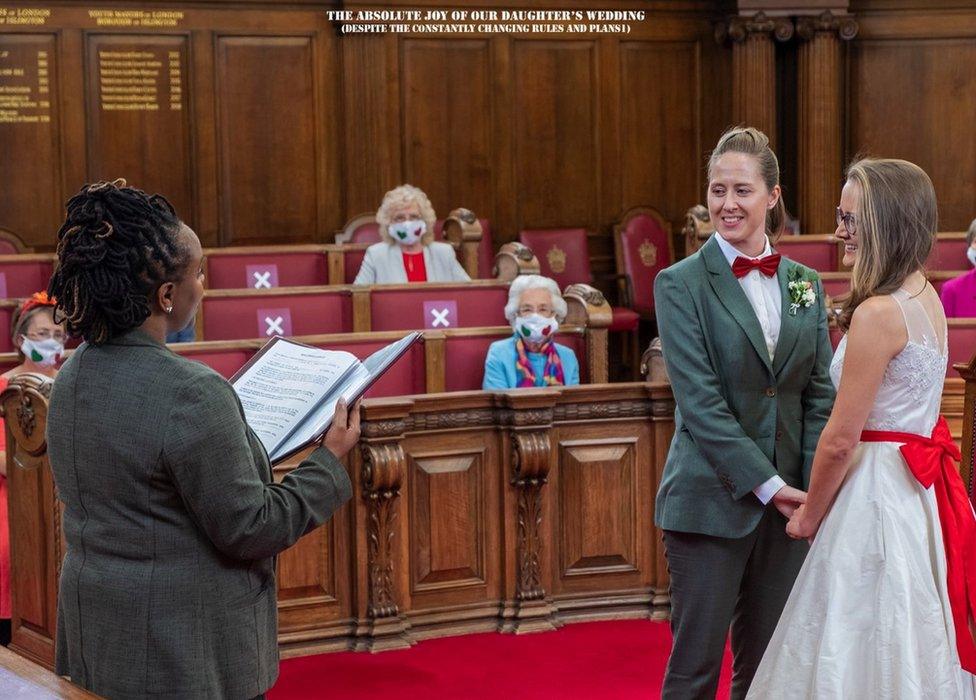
[740, 418]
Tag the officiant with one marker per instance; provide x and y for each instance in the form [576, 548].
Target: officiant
[171, 517]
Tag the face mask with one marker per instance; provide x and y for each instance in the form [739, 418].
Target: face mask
[535, 328]
[46, 353]
[408, 232]
[971, 254]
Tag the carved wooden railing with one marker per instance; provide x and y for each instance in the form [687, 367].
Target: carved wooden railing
[36, 539]
[472, 511]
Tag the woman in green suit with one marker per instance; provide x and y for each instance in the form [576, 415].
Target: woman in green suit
[171, 516]
[745, 341]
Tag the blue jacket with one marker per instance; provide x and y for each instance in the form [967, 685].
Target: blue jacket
[500, 372]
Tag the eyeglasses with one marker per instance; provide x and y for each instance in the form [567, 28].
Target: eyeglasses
[849, 221]
[541, 310]
[45, 334]
[403, 218]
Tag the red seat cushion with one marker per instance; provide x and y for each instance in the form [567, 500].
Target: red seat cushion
[624, 320]
[408, 375]
[19, 278]
[234, 317]
[352, 260]
[645, 250]
[962, 342]
[229, 271]
[224, 362]
[401, 308]
[563, 254]
[948, 253]
[819, 254]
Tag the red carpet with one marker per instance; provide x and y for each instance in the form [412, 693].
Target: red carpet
[592, 660]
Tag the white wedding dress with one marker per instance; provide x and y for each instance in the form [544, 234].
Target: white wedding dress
[869, 613]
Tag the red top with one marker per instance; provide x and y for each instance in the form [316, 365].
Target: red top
[413, 263]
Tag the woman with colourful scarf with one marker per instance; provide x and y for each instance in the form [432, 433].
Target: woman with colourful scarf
[40, 345]
[531, 357]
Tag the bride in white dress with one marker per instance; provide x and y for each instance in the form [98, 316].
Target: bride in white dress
[869, 615]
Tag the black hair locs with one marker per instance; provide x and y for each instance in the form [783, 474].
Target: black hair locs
[116, 245]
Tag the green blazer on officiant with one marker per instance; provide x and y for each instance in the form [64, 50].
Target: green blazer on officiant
[172, 521]
[740, 418]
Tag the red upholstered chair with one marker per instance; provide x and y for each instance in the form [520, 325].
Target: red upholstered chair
[255, 269]
[819, 252]
[565, 257]
[11, 244]
[361, 228]
[402, 307]
[230, 315]
[22, 275]
[643, 247]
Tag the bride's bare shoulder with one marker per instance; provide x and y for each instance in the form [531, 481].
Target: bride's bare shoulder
[879, 320]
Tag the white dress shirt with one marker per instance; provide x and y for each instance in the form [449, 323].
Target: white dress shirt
[766, 299]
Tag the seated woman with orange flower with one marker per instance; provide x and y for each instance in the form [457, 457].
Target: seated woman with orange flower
[40, 345]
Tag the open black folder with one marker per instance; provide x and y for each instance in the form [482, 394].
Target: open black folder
[290, 390]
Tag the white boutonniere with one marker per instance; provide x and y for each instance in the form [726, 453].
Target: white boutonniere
[801, 290]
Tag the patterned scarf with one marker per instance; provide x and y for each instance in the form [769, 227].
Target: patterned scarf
[552, 374]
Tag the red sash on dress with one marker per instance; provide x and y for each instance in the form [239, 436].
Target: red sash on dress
[930, 460]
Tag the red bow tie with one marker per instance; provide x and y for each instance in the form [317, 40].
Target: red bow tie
[768, 265]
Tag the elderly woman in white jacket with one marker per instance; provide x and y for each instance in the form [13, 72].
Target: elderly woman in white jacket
[408, 251]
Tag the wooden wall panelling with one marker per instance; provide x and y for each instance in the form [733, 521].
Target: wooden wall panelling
[30, 101]
[371, 137]
[446, 113]
[931, 123]
[202, 81]
[661, 144]
[138, 103]
[556, 133]
[266, 134]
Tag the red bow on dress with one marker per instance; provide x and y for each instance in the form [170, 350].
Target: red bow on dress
[931, 461]
[768, 265]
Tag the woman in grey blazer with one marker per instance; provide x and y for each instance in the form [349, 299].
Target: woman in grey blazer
[171, 516]
[408, 251]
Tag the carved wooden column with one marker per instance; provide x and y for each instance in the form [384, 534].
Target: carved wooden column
[528, 419]
[384, 468]
[754, 68]
[820, 118]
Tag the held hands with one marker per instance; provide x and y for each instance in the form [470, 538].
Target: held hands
[802, 526]
[344, 432]
[788, 499]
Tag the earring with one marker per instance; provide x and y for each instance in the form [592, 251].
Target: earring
[168, 309]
